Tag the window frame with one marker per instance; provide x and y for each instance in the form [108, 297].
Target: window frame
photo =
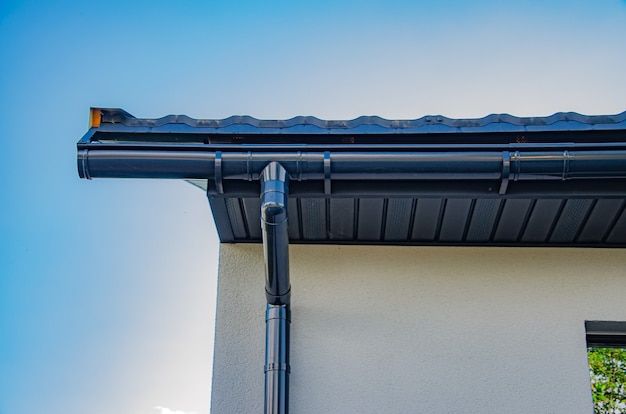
[605, 334]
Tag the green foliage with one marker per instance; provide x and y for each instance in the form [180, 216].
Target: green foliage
[607, 367]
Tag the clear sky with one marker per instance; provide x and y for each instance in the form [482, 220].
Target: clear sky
[107, 287]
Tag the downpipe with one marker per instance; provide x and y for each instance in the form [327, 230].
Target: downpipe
[277, 321]
[274, 221]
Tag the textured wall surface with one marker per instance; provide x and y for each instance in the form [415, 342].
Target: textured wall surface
[420, 329]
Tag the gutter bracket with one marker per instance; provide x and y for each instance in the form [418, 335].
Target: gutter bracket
[517, 170]
[327, 188]
[566, 159]
[219, 185]
[506, 172]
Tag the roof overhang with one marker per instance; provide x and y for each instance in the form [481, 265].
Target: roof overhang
[498, 180]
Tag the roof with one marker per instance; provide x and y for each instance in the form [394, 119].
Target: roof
[118, 120]
[498, 180]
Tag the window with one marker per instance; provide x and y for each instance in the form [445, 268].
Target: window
[606, 353]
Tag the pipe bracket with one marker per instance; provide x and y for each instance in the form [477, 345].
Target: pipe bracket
[278, 367]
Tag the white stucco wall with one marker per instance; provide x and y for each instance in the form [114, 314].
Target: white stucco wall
[420, 329]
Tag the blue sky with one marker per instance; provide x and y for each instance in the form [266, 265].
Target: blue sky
[107, 287]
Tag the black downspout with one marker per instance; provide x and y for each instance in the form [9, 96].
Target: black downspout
[274, 196]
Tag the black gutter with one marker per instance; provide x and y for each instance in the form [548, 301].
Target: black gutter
[505, 166]
[274, 223]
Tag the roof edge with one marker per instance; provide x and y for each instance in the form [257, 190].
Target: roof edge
[569, 120]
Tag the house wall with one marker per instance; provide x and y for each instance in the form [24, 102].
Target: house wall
[419, 329]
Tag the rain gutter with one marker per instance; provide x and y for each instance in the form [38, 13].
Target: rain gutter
[530, 164]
